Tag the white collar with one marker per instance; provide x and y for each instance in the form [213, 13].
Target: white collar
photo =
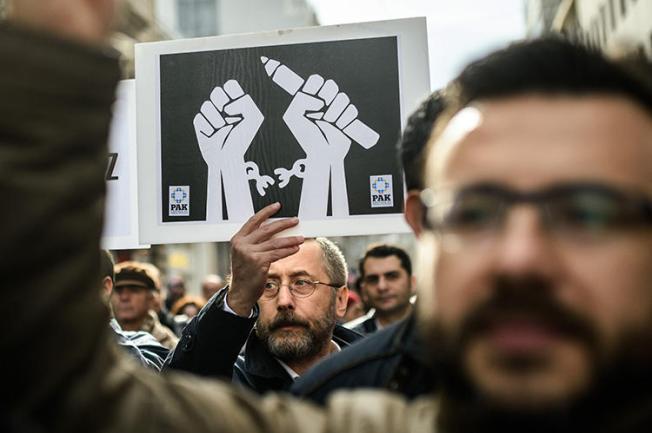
[293, 374]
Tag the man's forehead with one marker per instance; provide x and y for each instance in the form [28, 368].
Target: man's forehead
[532, 140]
[382, 264]
[308, 260]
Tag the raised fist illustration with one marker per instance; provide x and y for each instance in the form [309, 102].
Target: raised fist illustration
[313, 118]
[227, 123]
[225, 127]
[318, 117]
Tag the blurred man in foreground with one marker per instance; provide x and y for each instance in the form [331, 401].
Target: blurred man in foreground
[535, 271]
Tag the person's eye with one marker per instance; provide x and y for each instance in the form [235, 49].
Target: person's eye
[392, 275]
[471, 212]
[590, 212]
[271, 285]
[301, 283]
[371, 279]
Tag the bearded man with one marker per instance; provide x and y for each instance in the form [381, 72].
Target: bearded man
[290, 291]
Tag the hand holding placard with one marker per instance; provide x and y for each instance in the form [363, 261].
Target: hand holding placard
[253, 249]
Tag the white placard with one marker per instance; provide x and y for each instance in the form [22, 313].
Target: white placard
[121, 212]
[309, 117]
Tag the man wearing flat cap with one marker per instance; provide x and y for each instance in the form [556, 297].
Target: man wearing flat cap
[133, 297]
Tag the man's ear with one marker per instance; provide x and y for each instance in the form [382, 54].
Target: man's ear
[107, 287]
[341, 301]
[414, 211]
[413, 284]
[151, 300]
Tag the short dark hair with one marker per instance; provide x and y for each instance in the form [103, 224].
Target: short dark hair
[415, 137]
[549, 66]
[107, 265]
[385, 250]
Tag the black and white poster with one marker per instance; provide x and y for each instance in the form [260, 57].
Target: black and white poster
[312, 125]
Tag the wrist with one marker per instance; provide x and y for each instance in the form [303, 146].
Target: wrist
[241, 305]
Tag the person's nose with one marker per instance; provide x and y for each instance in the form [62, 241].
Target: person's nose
[525, 246]
[382, 284]
[284, 298]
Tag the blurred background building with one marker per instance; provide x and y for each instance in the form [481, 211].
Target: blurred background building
[611, 25]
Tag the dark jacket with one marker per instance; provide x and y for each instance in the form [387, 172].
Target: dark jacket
[211, 345]
[367, 326]
[393, 358]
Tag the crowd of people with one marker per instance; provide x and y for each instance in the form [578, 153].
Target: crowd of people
[529, 197]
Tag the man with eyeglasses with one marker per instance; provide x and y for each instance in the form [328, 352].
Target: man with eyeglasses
[282, 304]
[536, 255]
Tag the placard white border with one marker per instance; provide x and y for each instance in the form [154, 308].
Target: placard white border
[126, 96]
[414, 81]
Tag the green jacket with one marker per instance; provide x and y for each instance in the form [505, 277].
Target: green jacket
[66, 373]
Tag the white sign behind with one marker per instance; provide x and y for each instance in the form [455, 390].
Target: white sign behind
[121, 212]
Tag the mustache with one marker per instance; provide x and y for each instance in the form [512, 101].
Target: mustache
[529, 298]
[287, 318]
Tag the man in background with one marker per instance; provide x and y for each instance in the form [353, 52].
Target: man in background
[176, 289]
[132, 301]
[142, 346]
[210, 285]
[387, 284]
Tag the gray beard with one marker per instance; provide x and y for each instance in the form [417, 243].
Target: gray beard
[294, 345]
[305, 342]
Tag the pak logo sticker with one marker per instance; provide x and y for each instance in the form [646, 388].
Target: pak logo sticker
[382, 193]
[179, 203]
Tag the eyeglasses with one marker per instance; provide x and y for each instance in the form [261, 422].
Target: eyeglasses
[574, 209]
[299, 288]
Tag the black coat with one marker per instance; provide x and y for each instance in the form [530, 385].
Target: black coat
[368, 326]
[393, 358]
[211, 345]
